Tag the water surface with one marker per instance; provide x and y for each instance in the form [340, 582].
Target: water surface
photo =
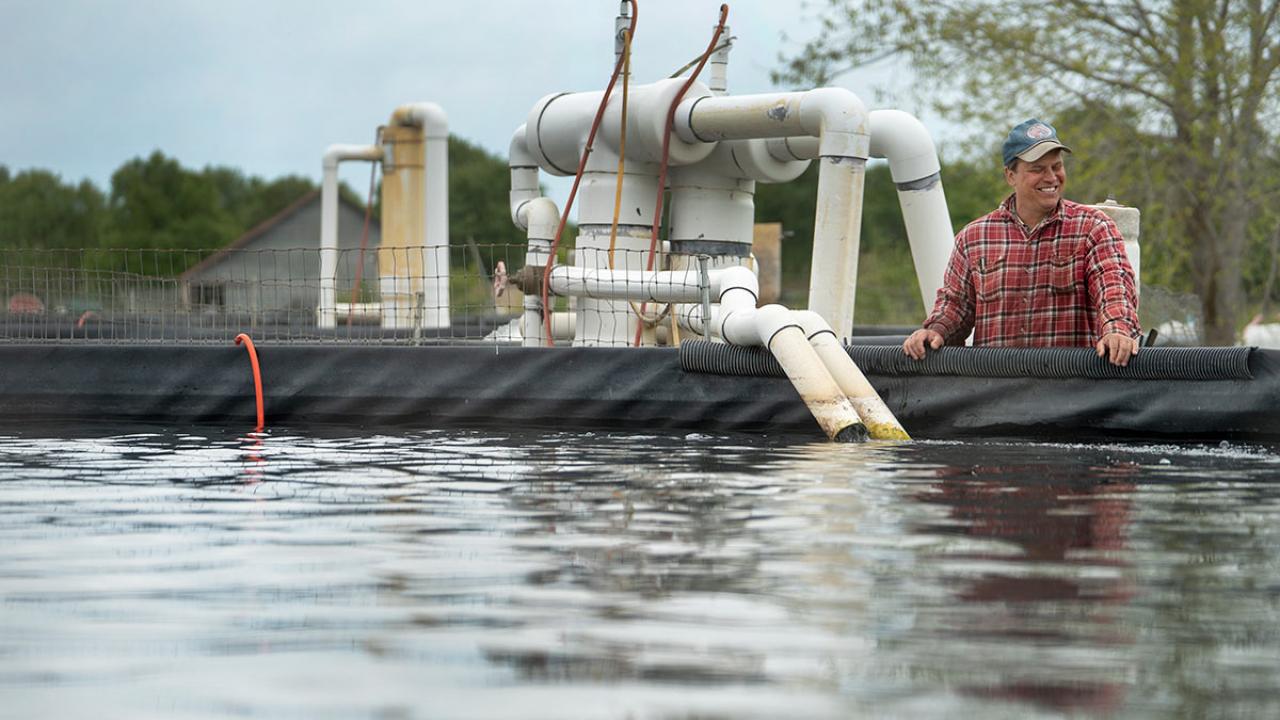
[200, 572]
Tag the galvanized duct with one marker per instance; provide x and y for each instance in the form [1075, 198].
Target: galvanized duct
[1225, 363]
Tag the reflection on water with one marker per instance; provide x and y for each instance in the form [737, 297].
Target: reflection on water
[196, 572]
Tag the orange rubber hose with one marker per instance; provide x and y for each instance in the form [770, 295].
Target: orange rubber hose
[666, 146]
[243, 339]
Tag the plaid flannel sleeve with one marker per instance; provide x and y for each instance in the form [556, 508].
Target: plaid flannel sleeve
[953, 311]
[1111, 282]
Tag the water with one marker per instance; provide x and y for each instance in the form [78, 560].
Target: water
[200, 573]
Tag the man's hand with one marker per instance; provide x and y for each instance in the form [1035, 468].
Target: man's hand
[1116, 347]
[915, 345]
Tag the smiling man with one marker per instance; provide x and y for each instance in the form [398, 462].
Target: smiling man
[1038, 271]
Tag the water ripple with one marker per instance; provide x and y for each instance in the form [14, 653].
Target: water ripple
[196, 572]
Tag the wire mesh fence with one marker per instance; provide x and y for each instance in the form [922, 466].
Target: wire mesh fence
[383, 295]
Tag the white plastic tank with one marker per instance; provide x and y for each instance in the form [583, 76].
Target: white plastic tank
[1128, 219]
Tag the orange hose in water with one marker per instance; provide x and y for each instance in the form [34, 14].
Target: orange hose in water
[577, 178]
[666, 148]
[243, 339]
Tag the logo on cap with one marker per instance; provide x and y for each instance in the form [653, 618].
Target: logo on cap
[1039, 131]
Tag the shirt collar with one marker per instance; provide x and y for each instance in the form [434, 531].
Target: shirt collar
[1010, 206]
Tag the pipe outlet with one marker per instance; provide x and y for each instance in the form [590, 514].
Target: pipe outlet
[876, 416]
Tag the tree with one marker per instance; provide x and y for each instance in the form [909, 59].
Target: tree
[1188, 85]
[39, 211]
[479, 207]
[157, 203]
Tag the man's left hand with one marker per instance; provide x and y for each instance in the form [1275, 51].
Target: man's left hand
[1117, 348]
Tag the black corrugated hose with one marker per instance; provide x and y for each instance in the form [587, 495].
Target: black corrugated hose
[1199, 363]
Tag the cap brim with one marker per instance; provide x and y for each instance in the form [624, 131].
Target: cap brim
[1040, 149]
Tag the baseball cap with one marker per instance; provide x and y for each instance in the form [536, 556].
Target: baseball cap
[1030, 140]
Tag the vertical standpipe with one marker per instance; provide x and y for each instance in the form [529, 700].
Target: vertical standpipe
[413, 260]
[839, 120]
[913, 163]
[903, 141]
[326, 315]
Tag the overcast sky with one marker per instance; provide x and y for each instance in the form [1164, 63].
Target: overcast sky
[266, 85]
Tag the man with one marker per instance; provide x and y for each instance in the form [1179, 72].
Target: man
[1038, 271]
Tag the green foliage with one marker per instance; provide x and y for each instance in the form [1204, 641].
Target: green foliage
[156, 203]
[479, 208]
[38, 210]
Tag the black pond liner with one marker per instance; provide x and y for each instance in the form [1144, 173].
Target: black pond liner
[1059, 394]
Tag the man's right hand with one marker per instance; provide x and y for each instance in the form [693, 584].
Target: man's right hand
[915, 345]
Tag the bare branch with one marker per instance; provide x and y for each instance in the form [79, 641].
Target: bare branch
[1144, 34]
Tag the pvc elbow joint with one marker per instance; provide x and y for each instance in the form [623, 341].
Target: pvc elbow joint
[770, 320]
[541, 217]
[740, 279]
[335, 154]
[811, 323]
[903, 140]
[426, 115]
[839, 119]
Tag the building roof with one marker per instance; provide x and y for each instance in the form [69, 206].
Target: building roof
[266, 226]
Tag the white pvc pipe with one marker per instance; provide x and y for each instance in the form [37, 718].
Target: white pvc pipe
[333, 155]
[557, 126]
[783, 337]
[718, 65]
[902, 139]
[524, 176]
[740, 322]
[563, 327]
[839, 120]
[541, 217]
[876, 416]
[665, 286]
[434, 125]
[739, 293]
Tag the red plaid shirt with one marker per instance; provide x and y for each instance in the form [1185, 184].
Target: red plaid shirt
[1067, 282]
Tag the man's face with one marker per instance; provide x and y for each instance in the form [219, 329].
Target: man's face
[1038, 184]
